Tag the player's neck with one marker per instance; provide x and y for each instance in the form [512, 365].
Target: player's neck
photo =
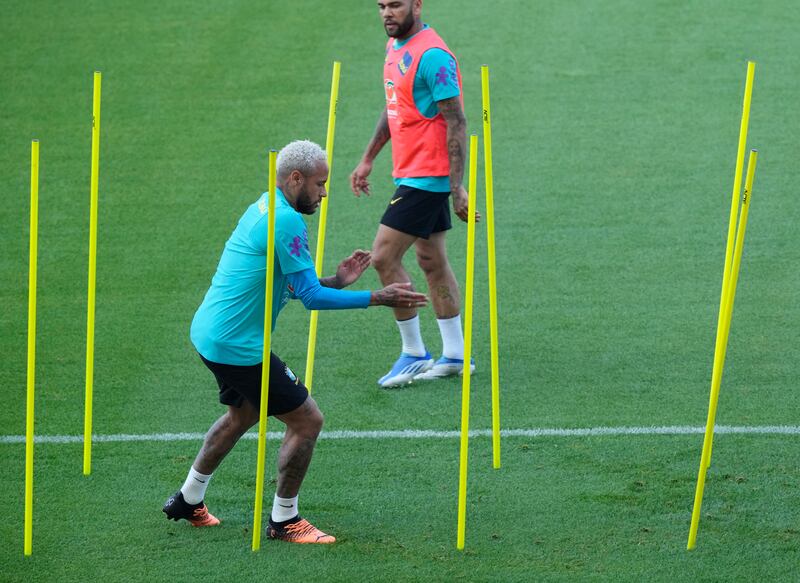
[418, 26]
[286, 190]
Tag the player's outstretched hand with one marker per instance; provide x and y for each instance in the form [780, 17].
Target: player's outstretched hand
[398, 295]
[350, 269]
[358, 179]
[461, 205]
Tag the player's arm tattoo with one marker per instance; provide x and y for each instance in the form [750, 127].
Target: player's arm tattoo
[330, 281]
[456, 138]
[392, 297]
[379, 137]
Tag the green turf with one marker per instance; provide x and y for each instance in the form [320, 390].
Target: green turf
[615, 132]
[601, 508]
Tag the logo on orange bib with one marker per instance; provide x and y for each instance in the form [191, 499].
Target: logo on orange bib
[391, 98]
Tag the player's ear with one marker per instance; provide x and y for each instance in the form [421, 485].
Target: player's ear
[296, 177]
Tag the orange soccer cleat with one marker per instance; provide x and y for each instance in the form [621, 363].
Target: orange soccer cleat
[298, 530]
[197, 514]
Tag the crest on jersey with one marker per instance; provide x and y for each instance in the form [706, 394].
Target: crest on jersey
[298, 244]
[405, 63]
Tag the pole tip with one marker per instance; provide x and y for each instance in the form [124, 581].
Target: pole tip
[35, 140]
[754, 151]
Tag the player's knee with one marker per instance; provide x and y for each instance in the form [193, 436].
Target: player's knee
[313, 419]
[429, 263]
[243, 417]
[252, 419]
[383, 262]
[317, 422]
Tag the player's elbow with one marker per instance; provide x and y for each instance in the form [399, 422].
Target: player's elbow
[308, 302]
[307, 297]
[453, 113]
[456, 120]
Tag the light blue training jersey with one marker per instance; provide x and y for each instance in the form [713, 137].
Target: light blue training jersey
[436, 79]
[228, 327]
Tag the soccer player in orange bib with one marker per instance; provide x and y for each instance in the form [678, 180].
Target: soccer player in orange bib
[424, 119]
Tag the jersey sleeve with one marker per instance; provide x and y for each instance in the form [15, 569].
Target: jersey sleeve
[314, 296]
[291, 243]
[438, 69]
[291, 240]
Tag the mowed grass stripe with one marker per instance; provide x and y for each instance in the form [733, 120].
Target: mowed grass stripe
[433, 434]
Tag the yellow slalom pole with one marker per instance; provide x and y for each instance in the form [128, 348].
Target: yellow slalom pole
[487, 168]
[323, 218]
[34, 235]
[262, 411]
[462, 475]
[737, 189]
[719, 362]
[87, 419]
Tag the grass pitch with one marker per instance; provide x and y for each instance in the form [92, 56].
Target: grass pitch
[614, 130]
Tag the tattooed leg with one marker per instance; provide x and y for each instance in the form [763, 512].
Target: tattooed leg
[432, 258]
[388, 249]
[223, 435]
[302, 428]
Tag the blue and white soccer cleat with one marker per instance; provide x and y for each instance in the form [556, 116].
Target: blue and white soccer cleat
[405, 369]
[445, 367]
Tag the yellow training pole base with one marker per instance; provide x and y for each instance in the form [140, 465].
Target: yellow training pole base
[90, 304]
[29, 403]
[263, 405]
[465, 385]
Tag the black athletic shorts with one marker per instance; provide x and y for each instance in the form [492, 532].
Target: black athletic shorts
[236, 383]
[418, 212]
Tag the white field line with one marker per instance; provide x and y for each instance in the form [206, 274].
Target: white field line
[431, 434]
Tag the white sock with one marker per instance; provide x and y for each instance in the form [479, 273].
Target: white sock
[452, 337]
[284, 509]
[194, 488]
[412, 339]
